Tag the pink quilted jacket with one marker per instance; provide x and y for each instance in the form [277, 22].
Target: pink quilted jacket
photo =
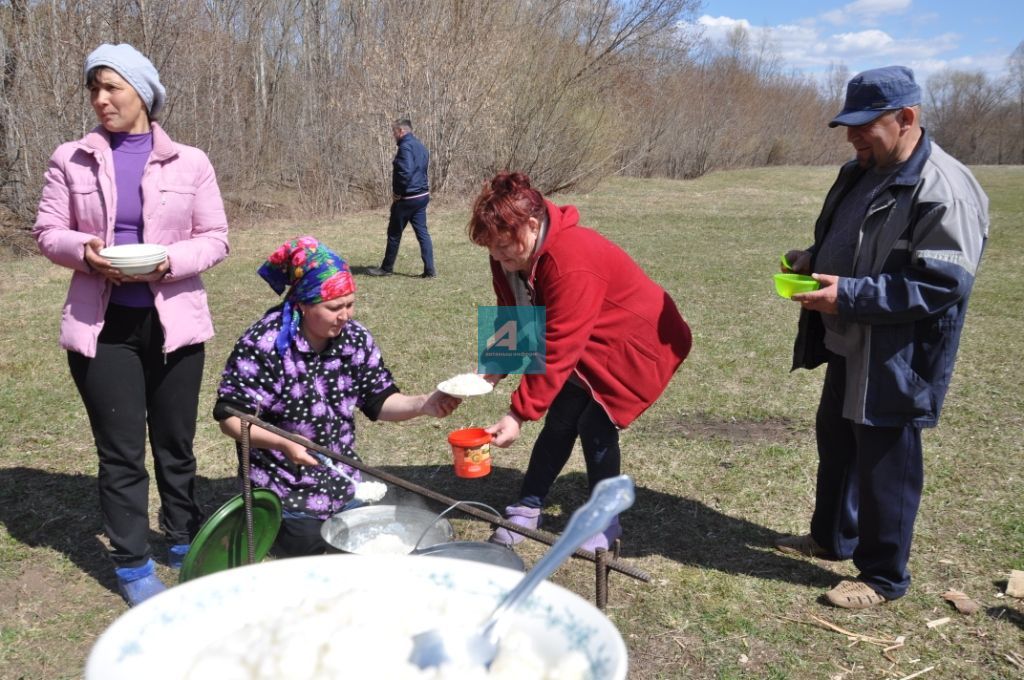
[182, 209]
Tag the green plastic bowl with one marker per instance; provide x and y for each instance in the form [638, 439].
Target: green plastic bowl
[787, 285]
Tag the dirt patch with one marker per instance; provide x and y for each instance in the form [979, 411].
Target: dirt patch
[703, 426]
[33, 601]
[673, 649]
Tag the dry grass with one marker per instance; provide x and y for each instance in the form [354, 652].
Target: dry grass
[723, 463]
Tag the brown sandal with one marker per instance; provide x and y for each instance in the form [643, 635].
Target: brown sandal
[800, 545]
[854, 595]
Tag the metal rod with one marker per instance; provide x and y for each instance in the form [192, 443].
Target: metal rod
[536, 535]
[601, 572]
[250, 534]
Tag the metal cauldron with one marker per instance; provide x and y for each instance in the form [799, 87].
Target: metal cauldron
[475, 551]
[488, 553]
[350, 530]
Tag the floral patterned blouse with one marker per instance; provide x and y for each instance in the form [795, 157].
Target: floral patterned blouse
[311, 394]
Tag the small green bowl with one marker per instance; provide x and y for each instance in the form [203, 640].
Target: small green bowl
[788, 285]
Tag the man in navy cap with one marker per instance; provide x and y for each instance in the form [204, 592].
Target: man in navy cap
[896, 249]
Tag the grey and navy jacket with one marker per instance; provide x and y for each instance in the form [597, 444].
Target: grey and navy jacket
[919, 248]
[409, 169]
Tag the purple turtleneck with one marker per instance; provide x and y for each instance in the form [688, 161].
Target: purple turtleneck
[130, 155]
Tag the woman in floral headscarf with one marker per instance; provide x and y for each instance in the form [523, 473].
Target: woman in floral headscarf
[305, 367]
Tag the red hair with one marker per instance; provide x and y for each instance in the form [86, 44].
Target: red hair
[503, 208]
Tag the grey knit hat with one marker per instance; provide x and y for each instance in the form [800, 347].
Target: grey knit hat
[134, 67]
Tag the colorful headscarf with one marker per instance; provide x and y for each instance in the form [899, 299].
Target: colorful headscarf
[314, 272]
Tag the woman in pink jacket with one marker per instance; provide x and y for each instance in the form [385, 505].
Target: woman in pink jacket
[135, 343]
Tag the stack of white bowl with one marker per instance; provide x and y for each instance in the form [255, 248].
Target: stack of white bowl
[135, 258]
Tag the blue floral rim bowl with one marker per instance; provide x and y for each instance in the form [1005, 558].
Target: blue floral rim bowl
[348, 614]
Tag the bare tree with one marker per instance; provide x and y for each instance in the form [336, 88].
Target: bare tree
[963, 112]
[1016, 67]
[293, 99]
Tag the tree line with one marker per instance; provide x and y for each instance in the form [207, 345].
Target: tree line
[295, 97]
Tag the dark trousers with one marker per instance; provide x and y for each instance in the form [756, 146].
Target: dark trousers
[299, 536]
[573, 413]
[402, 213]
[128, 387]
[868, 491]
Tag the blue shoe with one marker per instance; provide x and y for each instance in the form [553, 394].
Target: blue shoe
[138, 584]
[176, 555]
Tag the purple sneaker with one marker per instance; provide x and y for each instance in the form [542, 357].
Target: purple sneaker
[606, 538]
[520, 515]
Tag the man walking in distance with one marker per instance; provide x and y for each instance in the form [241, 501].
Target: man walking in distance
[896, 250]
[411, 194]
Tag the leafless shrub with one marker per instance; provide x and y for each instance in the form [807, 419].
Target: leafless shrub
[293, 99]
[974, 117]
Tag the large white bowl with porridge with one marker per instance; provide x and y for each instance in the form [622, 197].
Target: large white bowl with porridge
[351, 616]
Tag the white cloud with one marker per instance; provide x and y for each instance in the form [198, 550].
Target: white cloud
[865, 11]
[877, 7]
[791, 40]
[724, 24]
[861, 42]
[873, 45]
[810, 47]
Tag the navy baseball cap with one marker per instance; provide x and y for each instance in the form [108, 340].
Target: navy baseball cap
[872, 93]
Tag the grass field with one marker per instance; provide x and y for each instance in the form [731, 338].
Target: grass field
[723, 463]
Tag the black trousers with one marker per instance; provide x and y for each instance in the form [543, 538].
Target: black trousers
[572, 414]
[869, 488]
[131, 386]
[298, 537]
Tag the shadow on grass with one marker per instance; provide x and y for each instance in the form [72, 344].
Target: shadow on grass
[1006, 614]
[60, 512]
[363, 270]
[678, 529]
[43, 509]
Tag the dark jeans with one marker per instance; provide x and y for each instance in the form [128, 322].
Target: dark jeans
[573, 413]
[402, 213]
[130, 385]
[868, 491]
[299, 536]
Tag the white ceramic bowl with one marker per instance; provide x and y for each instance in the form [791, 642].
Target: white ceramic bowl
[135, 258]
[166, 636]
[136, 269]
[134, 251]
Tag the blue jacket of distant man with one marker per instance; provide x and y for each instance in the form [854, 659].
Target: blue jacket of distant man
[920, 245]
[409, 169]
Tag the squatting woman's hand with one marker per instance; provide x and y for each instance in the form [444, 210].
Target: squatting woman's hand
[297, 454]
[439, 404]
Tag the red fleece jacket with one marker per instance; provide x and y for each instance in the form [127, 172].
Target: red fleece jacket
[606, 320]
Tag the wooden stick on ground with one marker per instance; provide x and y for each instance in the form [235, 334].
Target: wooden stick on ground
[887, 643]
[920, 672]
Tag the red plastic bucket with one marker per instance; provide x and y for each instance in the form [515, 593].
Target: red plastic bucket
[471, 452]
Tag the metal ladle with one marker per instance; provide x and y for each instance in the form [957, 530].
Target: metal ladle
[437, 647]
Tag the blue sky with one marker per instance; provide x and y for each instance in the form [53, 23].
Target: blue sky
[927, 36]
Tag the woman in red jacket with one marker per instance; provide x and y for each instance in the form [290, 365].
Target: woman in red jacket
[613, 338]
